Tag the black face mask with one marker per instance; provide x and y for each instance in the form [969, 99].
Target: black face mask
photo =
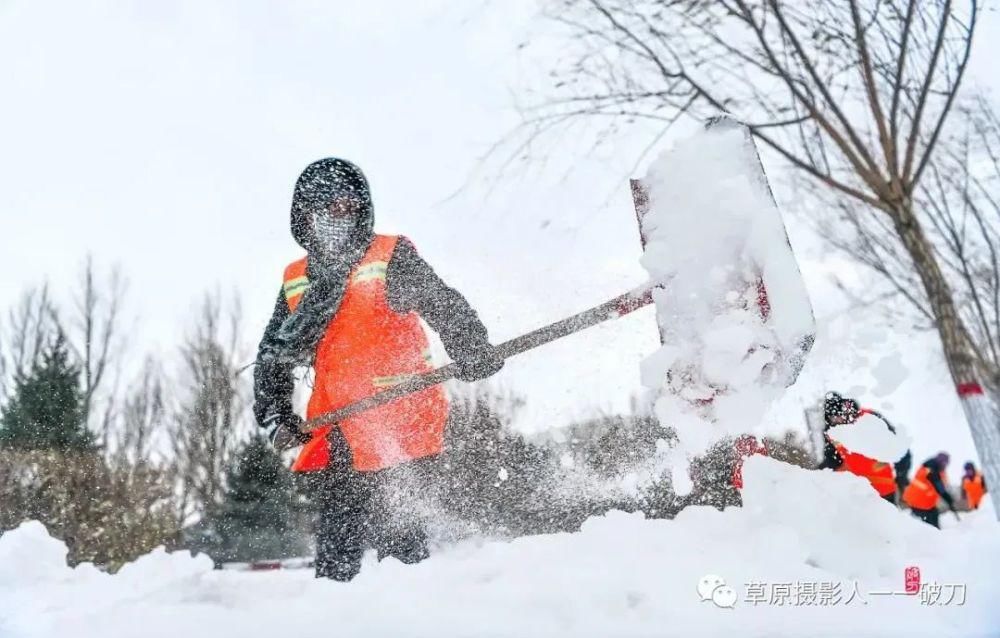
[334, 188]
[333, 232]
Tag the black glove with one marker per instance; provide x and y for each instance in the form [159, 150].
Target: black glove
[486, 363]
[284, 431]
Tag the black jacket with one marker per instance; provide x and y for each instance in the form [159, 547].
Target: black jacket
[411, 285]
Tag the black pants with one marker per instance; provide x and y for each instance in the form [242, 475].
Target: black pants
[928, 516]
[360, 511]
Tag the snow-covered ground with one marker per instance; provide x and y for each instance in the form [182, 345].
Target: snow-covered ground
[821, 539]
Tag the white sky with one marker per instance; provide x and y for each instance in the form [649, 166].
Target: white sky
[166, 137]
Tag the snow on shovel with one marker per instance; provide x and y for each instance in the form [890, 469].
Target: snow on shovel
[735, 319]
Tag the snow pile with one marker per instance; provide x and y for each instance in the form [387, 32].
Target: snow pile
[712, 233]
[870, 436]
[621, 575]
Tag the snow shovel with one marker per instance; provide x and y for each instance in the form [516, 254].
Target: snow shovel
[611, 309]
[777, 294]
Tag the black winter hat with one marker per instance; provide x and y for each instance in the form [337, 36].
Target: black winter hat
[320, 184]
[836, 405]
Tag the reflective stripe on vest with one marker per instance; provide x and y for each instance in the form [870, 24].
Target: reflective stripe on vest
[973, 489]
[879, 474]
[295, 287]
[366, 348]
[298, 284]
[370, 272]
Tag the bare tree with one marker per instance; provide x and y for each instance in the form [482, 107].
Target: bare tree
[958, 203]
[142, 418]
[98, 340]
[141, 483]
[212, 411]
[854, 95]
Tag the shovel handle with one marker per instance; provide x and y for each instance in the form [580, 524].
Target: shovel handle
[611, 309]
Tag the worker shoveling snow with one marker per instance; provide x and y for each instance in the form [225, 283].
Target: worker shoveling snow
[809, 554]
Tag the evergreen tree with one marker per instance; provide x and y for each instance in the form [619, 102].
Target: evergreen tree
[45, 411]
[260, 516]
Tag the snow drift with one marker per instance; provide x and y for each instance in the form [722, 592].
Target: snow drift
[621, 575]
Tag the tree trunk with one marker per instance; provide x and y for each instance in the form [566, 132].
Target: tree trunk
[979, 410]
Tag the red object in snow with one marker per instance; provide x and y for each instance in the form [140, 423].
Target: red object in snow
[745, 446]
[265, 566]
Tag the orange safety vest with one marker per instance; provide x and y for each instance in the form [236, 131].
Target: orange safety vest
[973, 489]
[879, 474]
[920, 493]
[366, 348]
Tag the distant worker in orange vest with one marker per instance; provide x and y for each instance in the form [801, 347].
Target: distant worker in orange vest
[351, 309]
[973, 486]
[838, 410]
[928, 484]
